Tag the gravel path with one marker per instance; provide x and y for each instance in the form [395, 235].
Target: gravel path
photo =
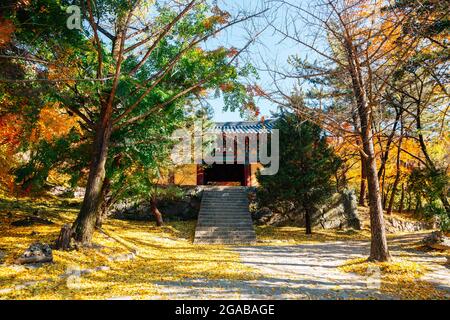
[306, 271]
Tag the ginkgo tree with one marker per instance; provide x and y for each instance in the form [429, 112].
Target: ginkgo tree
[132, 60]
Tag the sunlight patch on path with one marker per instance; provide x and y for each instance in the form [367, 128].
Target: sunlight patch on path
[312, 269]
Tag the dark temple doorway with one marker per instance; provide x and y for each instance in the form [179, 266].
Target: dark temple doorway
[225, 174]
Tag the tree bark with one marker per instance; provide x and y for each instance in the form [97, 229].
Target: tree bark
[104, 206]
[378, 246]
[384, 194]
[308, 221]
[362, 186]
[156, 213]
[65, 235]
[385, 155]
[397, 176]
[363, 182]
[84, 225]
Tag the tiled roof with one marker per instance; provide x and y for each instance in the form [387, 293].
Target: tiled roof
[244, 126]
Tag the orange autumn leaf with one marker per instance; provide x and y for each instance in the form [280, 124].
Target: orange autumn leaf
[53, 123]
[6, 31]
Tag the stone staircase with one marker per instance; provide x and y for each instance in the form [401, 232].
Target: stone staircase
[224, 217]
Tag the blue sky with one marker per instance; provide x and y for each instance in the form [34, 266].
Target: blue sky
[267, 49]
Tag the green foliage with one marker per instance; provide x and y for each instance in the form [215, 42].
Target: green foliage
[428, 183]
[430, 186]
[142, 148]
[68, 154]
[435, 209]
[307, 165]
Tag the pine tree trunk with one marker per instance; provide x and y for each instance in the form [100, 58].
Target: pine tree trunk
[362, 188]
[84, 225]
[378, 246]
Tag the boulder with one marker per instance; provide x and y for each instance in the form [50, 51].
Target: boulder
[394, 225]
[338, 212]
[36, 253]
[437, 240]
[278, 220]
[262, 214]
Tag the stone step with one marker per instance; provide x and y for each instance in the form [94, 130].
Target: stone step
[219, 224]
[214, 225]
[222, 213]
[227, 202]
[225, 237]
[219, 214]
[224, 218]
[225, 195]
[209, 199]
[224, 224]
[229, 220]
[230, 231]
[246, 221]
[229, 196]
[225, 205]
[224, 241]
[220, 206]
[224, 208]
[226, 228]
[220, 193]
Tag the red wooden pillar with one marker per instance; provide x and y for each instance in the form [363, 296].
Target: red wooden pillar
[247, 175]
[200, 175]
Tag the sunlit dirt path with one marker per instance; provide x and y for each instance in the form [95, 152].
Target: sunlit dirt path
[306, 271]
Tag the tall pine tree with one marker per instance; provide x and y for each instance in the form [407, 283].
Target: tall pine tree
[307, 165]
